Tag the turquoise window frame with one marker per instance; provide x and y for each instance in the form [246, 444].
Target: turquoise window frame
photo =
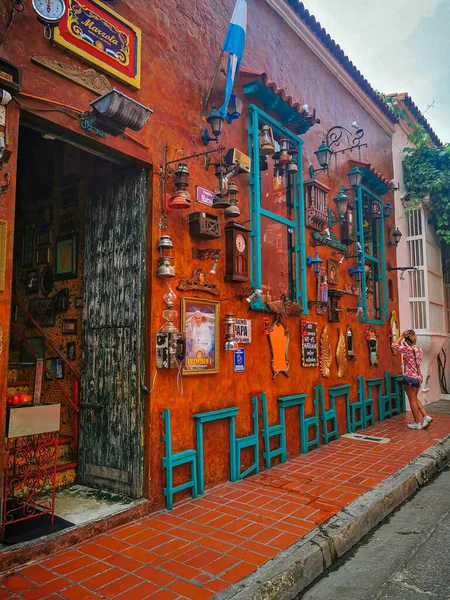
[257, 117]
[382, 301]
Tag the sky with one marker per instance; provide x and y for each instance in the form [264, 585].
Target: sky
[399, 46]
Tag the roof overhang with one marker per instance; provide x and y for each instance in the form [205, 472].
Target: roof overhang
[372, 178]
[274, 98]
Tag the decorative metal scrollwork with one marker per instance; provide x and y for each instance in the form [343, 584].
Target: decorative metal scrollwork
[338, 135]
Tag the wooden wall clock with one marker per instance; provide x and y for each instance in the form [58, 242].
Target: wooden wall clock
[237, 252]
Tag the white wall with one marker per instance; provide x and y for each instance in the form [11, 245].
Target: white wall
[430, 340]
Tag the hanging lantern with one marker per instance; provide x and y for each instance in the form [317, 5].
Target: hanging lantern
[266, 328]
[233, 209]
[355, 176]
[230, 326]
[266, 141]
[234, 108]
[165, 267]
[323, 154]
[388, 210]
[285, 146]
[263, 164]
[342, 201]
[376, 209]
[181, 198]
[292, 166]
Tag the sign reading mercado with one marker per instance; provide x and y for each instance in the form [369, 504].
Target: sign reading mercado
[102, 37]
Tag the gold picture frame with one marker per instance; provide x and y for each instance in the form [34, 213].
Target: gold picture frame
[394, 330]
[200, 322]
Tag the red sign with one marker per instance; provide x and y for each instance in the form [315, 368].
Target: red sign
[99, 35]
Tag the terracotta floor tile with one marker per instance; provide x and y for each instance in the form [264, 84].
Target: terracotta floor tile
[251, 530]
[170, 547]
[155, 541]
[163, 595]
[112, 543]
[285, 540]
[229, 538]
[121, 585]
[181, 570]
[122, 533]
[37, 574]
[263, 549]
[144, 556]
[123, 562]
[217, 585]
[214, 544]
[16, 583]
[61, 558]
[248, 556]
[143, 590]
[191, 591]
[142, 536]
[77, 592]
[108, 576]
[155, 576]
[87, 572]
[73, 565]
[305, 512]
[203, 559]
[184, 534]
[198, 528]
[266, 536]
[96, 551]
[49, 588]
[222, 564]
[5, 594]
[239, 572]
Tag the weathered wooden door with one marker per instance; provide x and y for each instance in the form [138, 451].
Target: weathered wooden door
[111, 415]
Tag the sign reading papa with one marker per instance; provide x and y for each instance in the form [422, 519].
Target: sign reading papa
[102, 37]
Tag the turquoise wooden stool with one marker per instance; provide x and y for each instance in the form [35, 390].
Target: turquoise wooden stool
[392, 393]
[200, 420]
[294, 400]
[250, 441]
[342, 390]
[306, 423]
[368, 417]
[397, 382]
[327, 416]
[353, 409]
[170, 461]
[272, 431]
[377, 384]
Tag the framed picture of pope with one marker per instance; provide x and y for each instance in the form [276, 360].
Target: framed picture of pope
[200, 321]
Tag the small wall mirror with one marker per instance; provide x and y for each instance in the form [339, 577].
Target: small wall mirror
[372, 340]
[350, 343]
[47, 280]
[279, 346]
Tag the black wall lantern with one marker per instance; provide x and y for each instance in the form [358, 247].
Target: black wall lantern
[215, 121]
[234, 108]
[396, 237]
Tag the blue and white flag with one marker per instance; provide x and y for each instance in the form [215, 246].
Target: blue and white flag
[234, 44]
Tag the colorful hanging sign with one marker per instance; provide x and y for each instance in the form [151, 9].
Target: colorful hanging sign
[205, 196]
[243, 331]
[102, 37]
[309, 344]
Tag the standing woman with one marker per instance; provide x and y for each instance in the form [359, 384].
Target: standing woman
[412, 377]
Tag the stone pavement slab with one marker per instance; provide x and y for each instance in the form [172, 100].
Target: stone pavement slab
[240, 538]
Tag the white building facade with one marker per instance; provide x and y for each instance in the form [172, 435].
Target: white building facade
[424, 292]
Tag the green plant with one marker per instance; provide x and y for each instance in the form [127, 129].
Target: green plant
[426, 171]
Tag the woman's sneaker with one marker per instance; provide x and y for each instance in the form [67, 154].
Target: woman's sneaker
[415, 425]
[426, 421]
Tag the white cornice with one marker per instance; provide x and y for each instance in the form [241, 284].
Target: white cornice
[288, 15]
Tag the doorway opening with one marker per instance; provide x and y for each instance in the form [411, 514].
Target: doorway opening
[77, 320]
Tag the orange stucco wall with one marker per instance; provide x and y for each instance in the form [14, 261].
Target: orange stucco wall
[181, 44]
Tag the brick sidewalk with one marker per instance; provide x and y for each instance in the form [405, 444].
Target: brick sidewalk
[203, 546]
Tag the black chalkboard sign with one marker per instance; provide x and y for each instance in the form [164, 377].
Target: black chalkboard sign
[310, 354]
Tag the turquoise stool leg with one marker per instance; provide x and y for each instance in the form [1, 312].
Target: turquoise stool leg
[250, 441]
[167, 460]
[273, 431]
[200, 457]
[307, 422]
[328, 416]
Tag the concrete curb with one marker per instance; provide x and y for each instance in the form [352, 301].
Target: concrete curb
[295, 568]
